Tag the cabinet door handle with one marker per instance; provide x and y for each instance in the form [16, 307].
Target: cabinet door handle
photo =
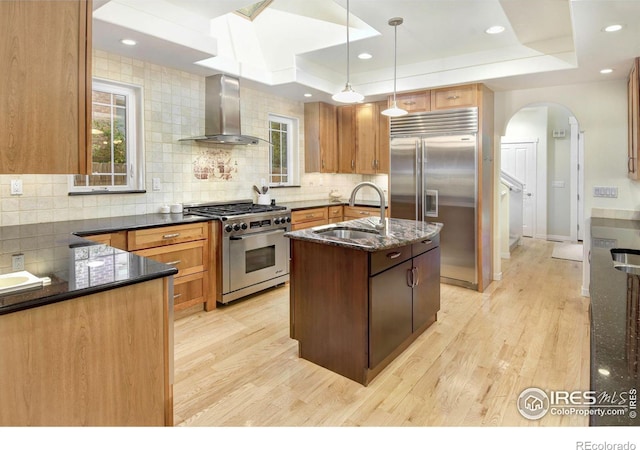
[170, 236]
[410, 277]
[353, 164]
[393, 255]
[177, 296]
[427, 241]
[416, 279]
[453, 97]
[174, 263]
[323, 163]
[365, 213]
[631, 164]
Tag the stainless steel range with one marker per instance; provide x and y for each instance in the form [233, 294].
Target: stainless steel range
[255, 253]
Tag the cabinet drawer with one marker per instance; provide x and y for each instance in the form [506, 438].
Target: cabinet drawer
[335, 212]
[189, 290]
[425, 245]
[357, 212]
[457, 97]
[188, 258]
[309, 215]
[303, 225]
[384, 259]
[153, 237]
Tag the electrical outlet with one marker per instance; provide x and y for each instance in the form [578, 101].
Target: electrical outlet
[17, 261]
[16, 187]
[155, 184]
[605, 191]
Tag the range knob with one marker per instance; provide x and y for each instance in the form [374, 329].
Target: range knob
[243, 226]
[236, 227]
[288, 219]
[228, 228]
[276, 220]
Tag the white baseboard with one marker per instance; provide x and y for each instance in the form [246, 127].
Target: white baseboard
[558, 238]
[585, 292]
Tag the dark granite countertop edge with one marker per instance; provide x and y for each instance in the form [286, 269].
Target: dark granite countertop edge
[64, 296]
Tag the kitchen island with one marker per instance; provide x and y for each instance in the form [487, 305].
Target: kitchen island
[359, 298]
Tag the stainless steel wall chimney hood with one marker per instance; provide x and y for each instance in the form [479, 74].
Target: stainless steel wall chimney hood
[222, 113]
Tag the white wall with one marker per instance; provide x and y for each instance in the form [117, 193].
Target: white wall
[601, 111]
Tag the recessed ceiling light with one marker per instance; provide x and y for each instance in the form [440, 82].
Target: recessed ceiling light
[365, 55]
[612, 28]
[605, 71]
[496, 29]
[308, 95]
[128, 42]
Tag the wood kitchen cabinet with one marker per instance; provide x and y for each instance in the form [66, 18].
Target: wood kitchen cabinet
[413, 101]
[633, 93]
[358, 212]
[307, 218]
[335, 213]
[104, 359]
[363, 139]
[354, 311]
[347, 139]
[454, 97]
[186, 247]
[320, 137]
[45, 100]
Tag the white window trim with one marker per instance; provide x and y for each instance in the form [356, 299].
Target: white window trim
[292, 146]
[135, 137]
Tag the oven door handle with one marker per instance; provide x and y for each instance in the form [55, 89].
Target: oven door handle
[245, 236]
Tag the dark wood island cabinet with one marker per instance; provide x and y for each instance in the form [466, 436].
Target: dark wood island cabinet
[357, 304]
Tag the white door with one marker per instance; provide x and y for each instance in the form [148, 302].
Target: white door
[518, 159]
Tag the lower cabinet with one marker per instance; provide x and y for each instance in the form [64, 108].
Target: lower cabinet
[403, 298]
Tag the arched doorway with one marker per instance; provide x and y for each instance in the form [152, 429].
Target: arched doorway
[542, 143]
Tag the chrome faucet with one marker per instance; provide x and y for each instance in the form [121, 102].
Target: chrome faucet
[382, 225]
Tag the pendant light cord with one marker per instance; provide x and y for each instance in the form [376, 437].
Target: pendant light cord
[348, 83]
[395, 60]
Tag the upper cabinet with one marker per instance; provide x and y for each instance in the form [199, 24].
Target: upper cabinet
[45, 88]
[320, 137]
[634, 119]
[454, 97]
[413, 101]
[363, 139]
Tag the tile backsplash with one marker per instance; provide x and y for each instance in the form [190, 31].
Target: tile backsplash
[174, 109]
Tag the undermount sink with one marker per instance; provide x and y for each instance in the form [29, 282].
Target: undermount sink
[18, 281]
[626, 260]
[347, 233]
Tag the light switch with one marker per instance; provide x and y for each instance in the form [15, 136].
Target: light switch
[155, 184]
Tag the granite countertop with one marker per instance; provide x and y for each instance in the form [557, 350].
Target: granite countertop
[615, 320]
[399, 232]
[76, 266]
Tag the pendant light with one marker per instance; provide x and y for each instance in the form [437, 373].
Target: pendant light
[394, 111]
[348, 95]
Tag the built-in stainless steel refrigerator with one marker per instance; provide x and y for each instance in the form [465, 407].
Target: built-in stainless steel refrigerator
[434, 177]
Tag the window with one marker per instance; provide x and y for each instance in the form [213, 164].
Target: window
[283, 134]
[117, 144]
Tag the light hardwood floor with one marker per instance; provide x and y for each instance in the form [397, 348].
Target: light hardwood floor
[237, 366]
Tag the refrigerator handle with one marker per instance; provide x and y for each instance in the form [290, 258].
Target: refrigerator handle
[419, 186]
[431, 203]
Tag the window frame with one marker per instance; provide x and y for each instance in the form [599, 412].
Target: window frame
[293, 171]
[135, 140]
